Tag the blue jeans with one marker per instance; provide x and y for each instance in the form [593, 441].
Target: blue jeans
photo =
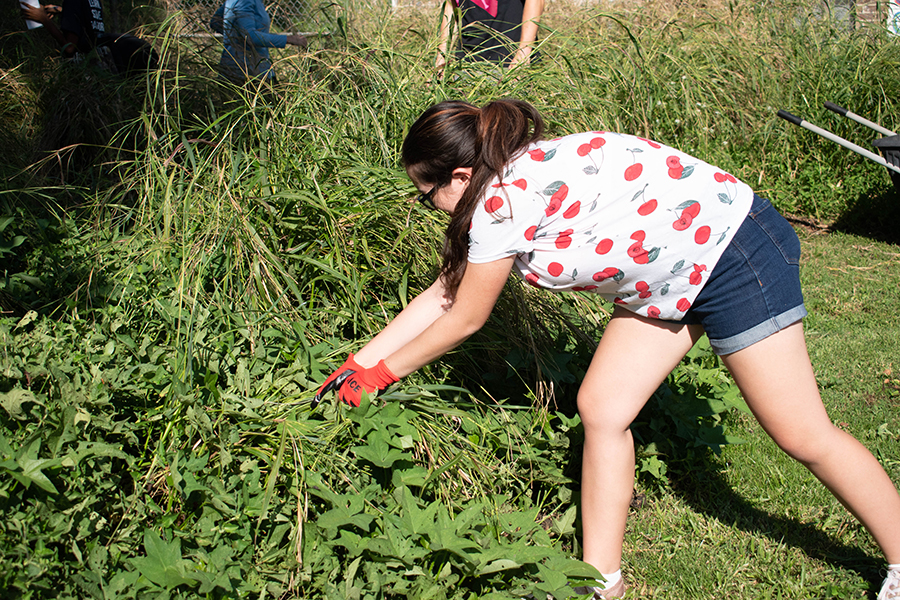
[754, 289]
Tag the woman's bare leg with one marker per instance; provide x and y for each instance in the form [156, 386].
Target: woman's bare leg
[633, 358]
[777, 381]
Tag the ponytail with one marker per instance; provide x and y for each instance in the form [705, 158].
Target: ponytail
[455, 134]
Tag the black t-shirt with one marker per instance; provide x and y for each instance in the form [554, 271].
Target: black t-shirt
[84, 18]
[488, 37]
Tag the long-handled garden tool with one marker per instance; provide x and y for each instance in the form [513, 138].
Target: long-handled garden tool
[889, 146]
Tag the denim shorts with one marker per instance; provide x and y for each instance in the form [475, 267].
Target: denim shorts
[754, 289]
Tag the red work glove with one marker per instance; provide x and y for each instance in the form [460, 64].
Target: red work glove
[335, 380]
[369, 380]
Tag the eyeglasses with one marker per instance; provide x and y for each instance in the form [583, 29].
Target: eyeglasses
[427, 199]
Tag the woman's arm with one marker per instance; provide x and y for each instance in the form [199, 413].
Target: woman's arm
[475, 299]
[444, 45]
[247, 19]
[67, 40]
[412, 320]
[531, 16]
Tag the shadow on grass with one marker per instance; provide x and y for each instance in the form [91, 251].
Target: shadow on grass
[875, 215]
[703, 487]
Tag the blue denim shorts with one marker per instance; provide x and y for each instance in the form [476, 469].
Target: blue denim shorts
[754, 289]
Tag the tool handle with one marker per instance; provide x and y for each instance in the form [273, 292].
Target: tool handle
[837, 140]
[789, 117]
[836, 109]
[855, 117]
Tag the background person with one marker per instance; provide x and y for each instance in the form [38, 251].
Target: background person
[82, 31]
[679, 246]
[499, 31]
[80, 24]
[245, 27]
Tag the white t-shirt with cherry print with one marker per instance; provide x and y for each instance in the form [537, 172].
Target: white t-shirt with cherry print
[638, 222]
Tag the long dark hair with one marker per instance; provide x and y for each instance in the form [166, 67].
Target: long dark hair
[455, 134]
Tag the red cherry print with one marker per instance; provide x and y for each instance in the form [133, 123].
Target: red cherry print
[597, 142]
[653, 312]
[619, 301]
[588, 288]
[553, 207]
[633, 172]
[723, 177]
[555, 269]
[695, 278]
[520, 183]
[564, 240]
[683, 305]
[673, 162]
[532, 279]
[702, 234]
[676, 172]
[604, 246]
[693, 209]
[638, 254]
[647, 207]
[643, 289]
[529, 233]
[493, 204]
[537, 154]
[584, 149]
[639, 235]
[560, 194]
[684, 222]
[572, 210]
[651, 142]
[605, 274]
[699, 268]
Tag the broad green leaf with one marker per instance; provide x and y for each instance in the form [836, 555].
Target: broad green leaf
[14, 400]
[31, 470]
[378, 451]
[502, 564]
[341, 517]
[565, 525]
[163, 563]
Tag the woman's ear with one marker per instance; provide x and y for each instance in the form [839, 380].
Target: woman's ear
[463, 174]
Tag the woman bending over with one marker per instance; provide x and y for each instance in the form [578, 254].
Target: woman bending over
[681, 247]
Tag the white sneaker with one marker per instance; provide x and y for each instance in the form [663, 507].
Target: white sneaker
[890, 589]
[618, 590]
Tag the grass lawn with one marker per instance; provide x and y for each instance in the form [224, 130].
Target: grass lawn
[752, 523]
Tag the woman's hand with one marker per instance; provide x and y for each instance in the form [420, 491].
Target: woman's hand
[370, 381]
[531, 16]
[296, 39]
[38, 14]
[336, 379]
[352, 379]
